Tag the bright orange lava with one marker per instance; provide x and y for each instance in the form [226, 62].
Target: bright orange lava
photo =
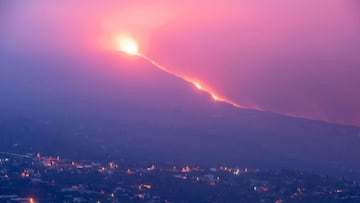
[197, 85]
[129, 46]
[215, 96]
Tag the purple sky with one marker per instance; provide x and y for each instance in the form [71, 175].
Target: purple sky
[291, 57]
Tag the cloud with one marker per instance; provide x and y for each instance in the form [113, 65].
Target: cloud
[293, 57]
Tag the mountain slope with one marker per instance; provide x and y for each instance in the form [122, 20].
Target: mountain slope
[120, 106]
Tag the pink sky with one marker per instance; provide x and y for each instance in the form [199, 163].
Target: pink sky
[291, 57]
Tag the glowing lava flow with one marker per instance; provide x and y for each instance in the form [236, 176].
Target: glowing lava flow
[129, 46]
[213, 95]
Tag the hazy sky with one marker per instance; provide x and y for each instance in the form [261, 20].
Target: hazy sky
[290, 57]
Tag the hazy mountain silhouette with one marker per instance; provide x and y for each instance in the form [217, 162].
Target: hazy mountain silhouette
[120, 106]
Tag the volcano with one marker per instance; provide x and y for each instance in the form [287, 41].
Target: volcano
[120, 106]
